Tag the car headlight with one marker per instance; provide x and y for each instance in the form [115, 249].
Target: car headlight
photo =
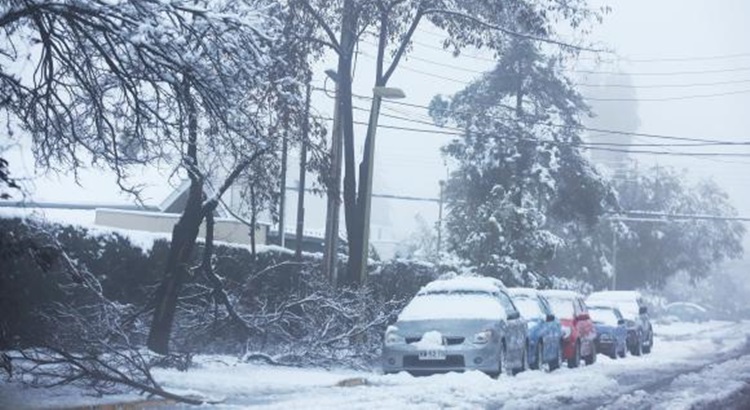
[483, 337]
[392, 337]
[566, 331]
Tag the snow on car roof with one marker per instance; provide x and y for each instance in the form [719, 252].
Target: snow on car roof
[463, 284]
[560, 294]
[615, 296]
[693, 305]
[522, 291]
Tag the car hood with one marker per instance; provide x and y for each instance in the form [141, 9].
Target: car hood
[448, 327]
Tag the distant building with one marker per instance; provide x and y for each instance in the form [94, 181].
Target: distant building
[163, 219]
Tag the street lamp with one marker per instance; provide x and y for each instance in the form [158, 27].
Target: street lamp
[369, 155]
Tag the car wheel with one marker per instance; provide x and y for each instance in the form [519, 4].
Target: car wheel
[647, 349]
[524, 361]
[574, 361]
[591, 358]
[637, 348]
[624, 352]
[555, 363]
[538, 357]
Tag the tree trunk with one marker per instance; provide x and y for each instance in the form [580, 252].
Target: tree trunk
[348, 38]
[184, 235]
[253, 223]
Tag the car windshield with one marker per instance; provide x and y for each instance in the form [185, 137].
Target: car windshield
[453, 305]
[628, 309]
[603, 315]
[563, 308]
[528, 307]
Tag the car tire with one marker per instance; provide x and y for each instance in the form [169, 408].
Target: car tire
[637, 348]
[624, 352]
[557, 361]
[500, 364]
[647, 349]
[524, 360]
[591, 358]
[539, 357]
[575, 361]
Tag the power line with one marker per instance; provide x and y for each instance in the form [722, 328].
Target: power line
[660, 216]
[678, 98]
[628, 86]
[598, 72]
[632, 59]
[595, 146]
[658, 99]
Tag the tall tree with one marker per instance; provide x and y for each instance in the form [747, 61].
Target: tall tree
[519, 165]
[138, 81]
[342, 24]
[649, 253]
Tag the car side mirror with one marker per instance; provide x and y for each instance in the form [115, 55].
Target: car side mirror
[621, 322]
[550, 318]
[583, 316]
[643, 310]
[513, 315]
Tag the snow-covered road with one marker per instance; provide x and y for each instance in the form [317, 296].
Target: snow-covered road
[691, 364]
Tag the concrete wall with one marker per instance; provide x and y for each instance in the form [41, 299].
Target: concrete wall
[225, 230]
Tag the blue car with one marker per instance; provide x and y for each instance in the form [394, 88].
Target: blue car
[544, 330]
[611, 330]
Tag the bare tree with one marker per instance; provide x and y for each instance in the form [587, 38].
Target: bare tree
[342, 24]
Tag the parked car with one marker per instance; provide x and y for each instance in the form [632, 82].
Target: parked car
[635, 312]
[611, 331]
[686, 312]
[544, 331]
[463, 323]
[578, 330]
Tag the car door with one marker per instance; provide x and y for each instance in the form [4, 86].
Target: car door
[551, 338]
[585, 327]
[516, 334]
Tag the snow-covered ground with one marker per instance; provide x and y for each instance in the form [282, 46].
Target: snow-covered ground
[690, 364]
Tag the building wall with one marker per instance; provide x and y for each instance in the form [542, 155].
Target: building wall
[225, 230]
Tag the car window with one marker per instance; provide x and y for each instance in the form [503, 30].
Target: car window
[604, 316]
[581, 306]
[529, 307]
[545, 306]
[563, 308]
[436, 306]
[506, 303]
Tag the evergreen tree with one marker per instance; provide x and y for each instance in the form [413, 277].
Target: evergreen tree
[520, 166]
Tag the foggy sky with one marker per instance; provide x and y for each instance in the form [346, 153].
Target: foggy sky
[410, 163]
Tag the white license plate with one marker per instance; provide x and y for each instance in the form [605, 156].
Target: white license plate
[432, 355]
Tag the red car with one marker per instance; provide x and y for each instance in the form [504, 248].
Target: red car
[578, 330]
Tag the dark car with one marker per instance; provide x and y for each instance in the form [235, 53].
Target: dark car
[635, 312]
[463, 323]
[686, 312]
[544, 330]
[578, 330]
[611, 331]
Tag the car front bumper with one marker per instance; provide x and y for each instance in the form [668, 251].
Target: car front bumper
[405, 357]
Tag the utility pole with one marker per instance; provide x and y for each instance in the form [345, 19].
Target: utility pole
[302, 175]
[367, 177]
[614, 258]
[330, 254]
[282, 200]
[440, 220]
